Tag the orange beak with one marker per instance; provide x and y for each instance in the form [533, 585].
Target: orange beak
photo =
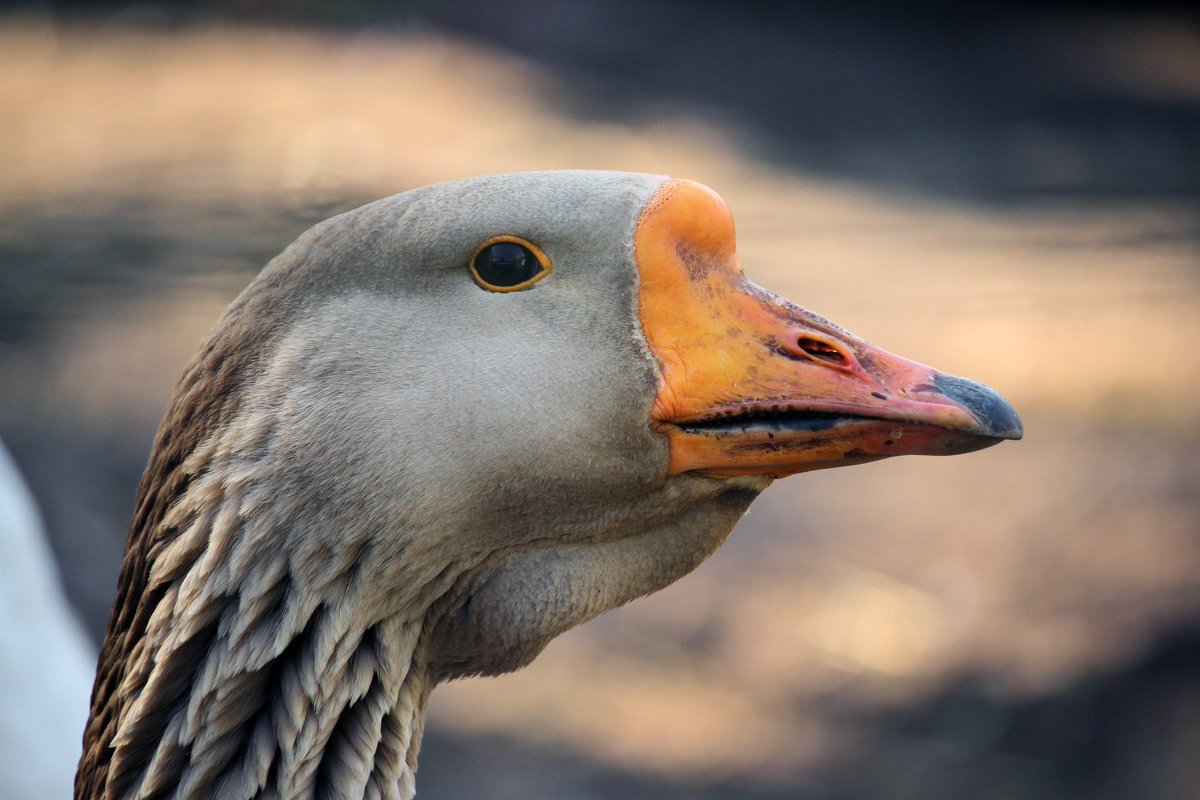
[753, 384]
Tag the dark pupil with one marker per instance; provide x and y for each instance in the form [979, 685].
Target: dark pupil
[506, 264]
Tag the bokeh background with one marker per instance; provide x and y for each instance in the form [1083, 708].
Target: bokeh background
[1008, 191]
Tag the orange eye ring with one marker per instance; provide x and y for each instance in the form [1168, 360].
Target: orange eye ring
[508, 263]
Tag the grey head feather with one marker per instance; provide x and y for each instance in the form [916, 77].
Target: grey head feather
[374, 476]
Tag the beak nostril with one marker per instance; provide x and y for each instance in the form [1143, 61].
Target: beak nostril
[821, 351]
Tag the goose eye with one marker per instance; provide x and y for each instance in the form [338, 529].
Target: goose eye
[506, 264]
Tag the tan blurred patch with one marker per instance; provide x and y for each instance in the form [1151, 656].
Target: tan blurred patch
[125, 365]
[649, 715]
[261, 111]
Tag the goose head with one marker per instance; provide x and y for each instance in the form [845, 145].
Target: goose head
[438, 431]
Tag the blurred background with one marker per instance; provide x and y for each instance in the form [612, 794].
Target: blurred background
[1007, 191]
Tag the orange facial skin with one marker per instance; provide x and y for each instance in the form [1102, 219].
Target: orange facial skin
[753, 384]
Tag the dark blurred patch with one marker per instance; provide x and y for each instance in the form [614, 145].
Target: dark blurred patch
[1132, 733]
[989, 102]
[980, 101]
[85, 488]
[58, 262]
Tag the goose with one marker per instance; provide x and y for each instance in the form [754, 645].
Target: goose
[438, 431]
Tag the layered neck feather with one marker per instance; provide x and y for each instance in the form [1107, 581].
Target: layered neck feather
[251, 680]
